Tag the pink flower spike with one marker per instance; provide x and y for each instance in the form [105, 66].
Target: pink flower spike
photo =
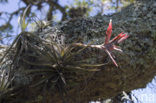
[109, 45]
[123, 38]
[108, 32]
[111, 57]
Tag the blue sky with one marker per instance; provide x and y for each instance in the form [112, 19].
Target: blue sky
[145, 95]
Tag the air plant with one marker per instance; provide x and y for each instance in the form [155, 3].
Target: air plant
[59, 59]
[54, 64]
[109, 45]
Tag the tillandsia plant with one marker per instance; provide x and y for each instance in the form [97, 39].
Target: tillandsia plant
[110, 45]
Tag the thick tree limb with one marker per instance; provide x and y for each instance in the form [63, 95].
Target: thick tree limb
[136, 65]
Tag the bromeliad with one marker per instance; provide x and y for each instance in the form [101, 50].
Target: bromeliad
[109, 45]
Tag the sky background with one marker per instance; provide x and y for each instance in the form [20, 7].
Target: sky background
[144, 95]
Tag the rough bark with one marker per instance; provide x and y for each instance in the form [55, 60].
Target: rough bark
[137, 63]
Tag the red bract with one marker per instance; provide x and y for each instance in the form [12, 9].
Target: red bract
[109, 45]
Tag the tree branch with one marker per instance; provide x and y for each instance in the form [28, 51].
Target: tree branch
[137, 63]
